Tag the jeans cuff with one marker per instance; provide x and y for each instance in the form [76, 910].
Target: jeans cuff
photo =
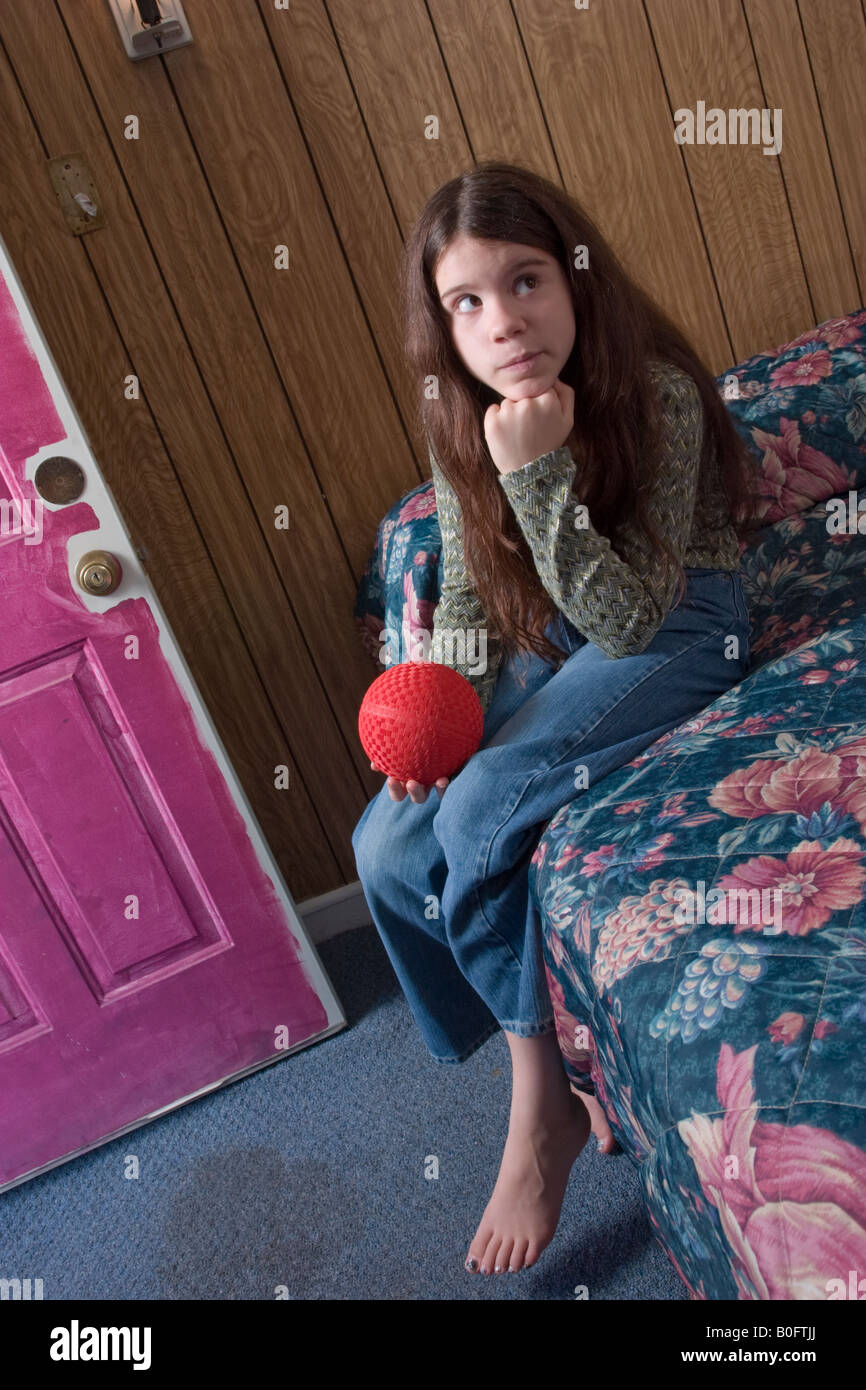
[455, 1061]
[530, 1030]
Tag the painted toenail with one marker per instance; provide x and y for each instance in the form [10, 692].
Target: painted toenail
[472, 1264]
[499, 1269]
[601, 1143]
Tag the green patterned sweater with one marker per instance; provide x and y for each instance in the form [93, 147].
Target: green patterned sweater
[615, 598]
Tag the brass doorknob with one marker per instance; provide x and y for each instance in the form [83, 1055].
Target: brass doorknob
[98, 572]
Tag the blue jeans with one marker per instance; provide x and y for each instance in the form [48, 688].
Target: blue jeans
[446, 880]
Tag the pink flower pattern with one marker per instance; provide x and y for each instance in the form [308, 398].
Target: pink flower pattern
[780, 1190]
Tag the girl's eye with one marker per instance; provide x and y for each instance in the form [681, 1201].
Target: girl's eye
[459, 301]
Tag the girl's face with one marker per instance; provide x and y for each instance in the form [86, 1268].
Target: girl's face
[499, 309]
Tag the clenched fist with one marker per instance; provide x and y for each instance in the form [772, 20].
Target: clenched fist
[519, 431]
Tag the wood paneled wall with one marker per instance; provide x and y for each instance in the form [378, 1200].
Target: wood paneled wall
[262, 387]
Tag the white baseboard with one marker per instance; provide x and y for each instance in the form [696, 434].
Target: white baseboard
[332, 913]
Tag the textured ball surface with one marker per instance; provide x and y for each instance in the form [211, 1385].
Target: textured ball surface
[420, 721]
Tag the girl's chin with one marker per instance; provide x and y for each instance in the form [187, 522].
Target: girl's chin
[530, 386]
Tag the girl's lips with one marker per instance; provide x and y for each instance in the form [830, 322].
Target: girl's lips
[526, 362]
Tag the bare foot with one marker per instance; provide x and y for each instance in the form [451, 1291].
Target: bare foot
[600, 1127]
[522, 1215]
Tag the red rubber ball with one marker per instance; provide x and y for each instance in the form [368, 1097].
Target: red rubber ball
[420, 721]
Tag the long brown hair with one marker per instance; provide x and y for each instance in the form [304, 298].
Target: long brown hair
[620, 329]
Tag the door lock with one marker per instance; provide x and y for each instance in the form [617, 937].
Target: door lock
[98, 572]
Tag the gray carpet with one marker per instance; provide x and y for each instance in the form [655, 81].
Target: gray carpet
[309, 1175]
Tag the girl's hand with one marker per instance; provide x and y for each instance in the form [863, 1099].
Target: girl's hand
[519, 431]
[397, 790]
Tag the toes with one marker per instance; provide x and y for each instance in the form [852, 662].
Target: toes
[518, 1255]
[606, 1142]
[499, 1254]
[533, 1250]
[478, 1248]
[488, 1263]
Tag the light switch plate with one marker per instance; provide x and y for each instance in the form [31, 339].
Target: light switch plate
[143, 42]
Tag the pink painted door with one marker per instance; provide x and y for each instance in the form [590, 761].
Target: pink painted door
[149, 949]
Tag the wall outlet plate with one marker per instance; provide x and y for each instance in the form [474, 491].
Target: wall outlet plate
[141, 41]
[76, 192]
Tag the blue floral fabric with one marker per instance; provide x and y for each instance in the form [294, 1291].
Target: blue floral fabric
[704, 907]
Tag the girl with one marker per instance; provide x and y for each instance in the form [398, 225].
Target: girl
[586, 446]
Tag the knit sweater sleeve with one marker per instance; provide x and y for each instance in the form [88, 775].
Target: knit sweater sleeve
[616, 599]
[461, 637]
